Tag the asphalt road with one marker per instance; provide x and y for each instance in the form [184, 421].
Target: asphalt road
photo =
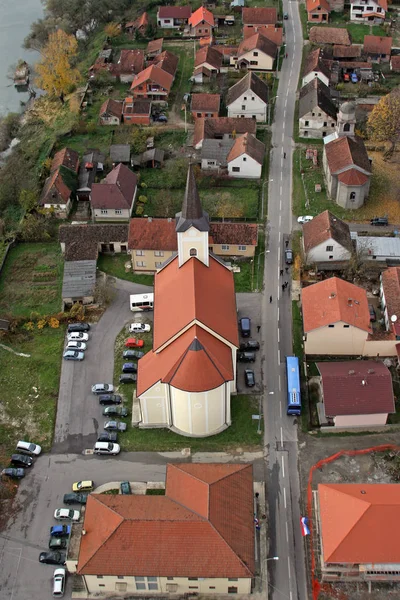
[287, 576]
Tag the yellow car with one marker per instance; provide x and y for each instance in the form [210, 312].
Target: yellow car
[82, 486]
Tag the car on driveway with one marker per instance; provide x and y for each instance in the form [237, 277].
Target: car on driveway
[134, 343]
[102, 388]
[285, 16]
[108, 436]
[21, 460]
[83, 486]
[288, 256]
[120, 411]
[60, 530]
[66, 514]
[245, 326]
[249, 378]
[52, 558]
[114, 426]
[129, 367]
[139, 328]
[125, 487]
[106, 448]
[105, 399]
[75, 498]
[57, 543]
[59, 583]
[28, 448]
[72, 327]
[249, 345]
[13, 473]
[382, 221]
[354, 78]
[246, 357]
[78, 336]
[74, 345]
[128, 378]
[73, 355]
[305, 219]
[372, 313]
[130, 354]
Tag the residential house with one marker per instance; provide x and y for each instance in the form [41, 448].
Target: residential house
[346, 164]
[130, 63]
[382, 251]
[395, 64]
[221, 128]
[336, 5]
[92, 165]
[253, 17]
[248, 98]
[201, 23]
[346, 53]
[214, 154]
[138, 25]
[205, 105]
[329, 35]
[58, 192]
[246, 157]
[227, 53]
[65, 158]
[166, 61]
[110, 112]
[79, 282]
[154, 47]
[336, 318]
[152, 83]
[120, 153]
[85, 242]
[153, 241]
[164, 541]
[137, 112]
[362, 547]
[377, 49]
[315, 67]
[318, 11]
[355, 393]
[368, 11]
[173, 17]
[327, 239]
[390, 300]
[317, 112]
[257, 53]
[207, 64]
[274, 34]
[114, 198]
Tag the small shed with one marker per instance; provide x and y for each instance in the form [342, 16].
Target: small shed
[153, 158]
[120, 153]
[79, 282]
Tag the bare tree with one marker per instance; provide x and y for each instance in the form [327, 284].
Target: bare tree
[104, 292]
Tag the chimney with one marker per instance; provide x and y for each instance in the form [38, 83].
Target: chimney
[363, 382]
[370, 371]
[149, 219]
[349, 302]
[83, 531]
[332, 295]
[351, 372]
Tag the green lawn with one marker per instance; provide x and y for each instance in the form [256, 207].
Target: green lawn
[31, 280]
[100, 137]
[114, 265]
[182, 83]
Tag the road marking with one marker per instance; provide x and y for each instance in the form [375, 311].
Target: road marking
[282, 445]
[280, 409]
[16, 575]
[280, 189]
[280, 219]
[291, 595]
[279, 356]
[283, 136]
[283, 464]
[278, 313]
[280, 385]
[278, 331]
[280, 204]
[284, 498]
[288, 564]
[287, 539]
[279, 237]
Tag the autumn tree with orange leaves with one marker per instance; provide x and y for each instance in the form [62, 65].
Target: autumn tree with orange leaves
[384, 121]
[56, 74]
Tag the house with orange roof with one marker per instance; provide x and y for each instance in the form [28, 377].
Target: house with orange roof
[201, 23]
[318, 11]
[253, 16]
[153, 83]
[154, 47]
[129, 64]
[390, 300]
[368, 11]
[205, 105]
[110, 112]
[256, 53]
[327, 239]
[185, 382]
[150, 545]
[336, 319]
[246, 157]
[207, 64]
[377, 49]
[357, 531]
[140, 24]
[58, 192]
[275, 34]
[136, 112]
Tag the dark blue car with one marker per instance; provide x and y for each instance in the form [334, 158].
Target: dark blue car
[60, 530]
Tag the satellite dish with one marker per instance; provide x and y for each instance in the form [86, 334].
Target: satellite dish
[393, 318]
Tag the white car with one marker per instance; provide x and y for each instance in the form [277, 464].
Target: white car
[139, 328]
[66, 514]
[106, 448]
[78, 336]
[29, 448]
[59, 582]
[303, 220]
[76, 346]
[102, 388]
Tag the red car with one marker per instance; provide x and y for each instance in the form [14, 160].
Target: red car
[346, 77]
[134, 343]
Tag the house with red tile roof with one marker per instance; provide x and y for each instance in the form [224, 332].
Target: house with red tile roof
[369, 11]
[145, 544]
[221, 128]
[318, 11]
[185, 382]
[355, 393]
[114, 198]
[140, 24]
[336, 319]
[166, 61]
[357, 531]
[377, 49]
[129, 64]
[58, 191]
[245, 158]
[205, 105]
[153, 83]
[173, 17]
[327, 239]
[65, 158]
[315, 67]
[259, 16]
[329, 35]
[110, 112]
[136, 112]
[207, 64]
[390, 300]
[256, 53]
[154, 47]
[275, 34]
[201, 23]
[154, 241]
[248, 98]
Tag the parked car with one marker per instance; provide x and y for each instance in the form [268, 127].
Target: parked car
[114, 426]
[66, 514]
[75, 498]
[245, 326]
[57, 543]
[60, 530]
[128, 378]
[78, 336]
[134, 343]
[249, 345]
[74, 345]
[354, 78]
[83, 486]
[125, 487]
[108, 436]
[59, 582]
[383, 221]
[52, 558]
[105, 399]
[249, 378]
[102, 388]
[106, 448]
[72, 327]
[121, 411]
[285, 16]
[246, 357]
[372, 313]
[346, 77]
[73, 355]
[288, 256]
[21, 460]
[28, 448]
[129, 367]
[13, 473]
[160, 119]
[305, 219]
[139, 328]
[132, 354]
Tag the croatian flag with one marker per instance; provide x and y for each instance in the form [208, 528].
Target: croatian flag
[304, 527]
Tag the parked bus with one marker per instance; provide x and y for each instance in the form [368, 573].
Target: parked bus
[293, 386]
[141, 302]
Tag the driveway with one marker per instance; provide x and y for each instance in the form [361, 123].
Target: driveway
[78, 412]
[249, 305]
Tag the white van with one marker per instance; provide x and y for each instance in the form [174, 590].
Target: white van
[59, 583]
[106, 448]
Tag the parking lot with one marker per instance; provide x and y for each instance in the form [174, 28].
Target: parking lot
[249, 305]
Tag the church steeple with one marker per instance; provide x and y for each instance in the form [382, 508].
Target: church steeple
[192, 224]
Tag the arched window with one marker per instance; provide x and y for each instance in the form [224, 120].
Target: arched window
[193, 252]
[352, 195]
[346, 127]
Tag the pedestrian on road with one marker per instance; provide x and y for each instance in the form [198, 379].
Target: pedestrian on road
[284, 155]
[258, 331]
[281, 272]
[286, 284]
[286, 54]
[287, 243]
[283, 287]
[286, 270]
[270, 299]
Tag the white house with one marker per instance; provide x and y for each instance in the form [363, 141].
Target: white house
[256, 53]
[114, 198]
[326, 239]
[246, 157]
[248, 98]
[173, 17]
[314, 67]
[368, 11]
[317, 113]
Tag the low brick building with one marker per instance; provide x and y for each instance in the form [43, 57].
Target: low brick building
[205, 105]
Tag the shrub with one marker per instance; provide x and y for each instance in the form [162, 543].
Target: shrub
[142, 199]
[42, 323]
[139, 210]
[54, 323]
[29, 326]
[77, 312]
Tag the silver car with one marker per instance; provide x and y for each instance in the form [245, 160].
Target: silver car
[76, 346]
[73, 355]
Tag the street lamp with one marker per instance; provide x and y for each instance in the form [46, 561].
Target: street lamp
[272, 558]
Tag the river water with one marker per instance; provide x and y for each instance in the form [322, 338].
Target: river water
[16, 17]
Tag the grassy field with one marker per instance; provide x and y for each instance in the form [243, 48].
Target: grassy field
[182, 83]
[31, 280]
[114, 265]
